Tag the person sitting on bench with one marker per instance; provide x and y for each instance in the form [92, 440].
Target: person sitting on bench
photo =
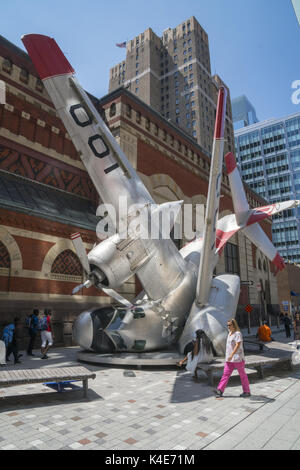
[264, 333]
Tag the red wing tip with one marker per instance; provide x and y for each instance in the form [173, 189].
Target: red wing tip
[279, 262]
[46, 56]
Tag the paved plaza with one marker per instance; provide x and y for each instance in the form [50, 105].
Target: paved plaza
[157, 408]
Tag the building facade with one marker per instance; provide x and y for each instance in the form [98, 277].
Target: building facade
[289, 281]
[46, 195]
[172, 74]
[269, 160]
[243, 112]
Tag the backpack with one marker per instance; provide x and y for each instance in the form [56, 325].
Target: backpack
[8, 334]
[28, 321]
[43, 324]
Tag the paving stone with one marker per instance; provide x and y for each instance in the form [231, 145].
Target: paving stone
[119, 415]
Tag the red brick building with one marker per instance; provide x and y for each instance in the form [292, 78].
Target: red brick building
[289, 280]
[46, 195]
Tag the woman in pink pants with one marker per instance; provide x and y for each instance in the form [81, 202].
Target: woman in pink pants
[235, 359]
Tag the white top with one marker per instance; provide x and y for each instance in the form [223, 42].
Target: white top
[232, 339]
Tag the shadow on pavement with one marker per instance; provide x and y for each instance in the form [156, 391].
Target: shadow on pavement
[252, 399]
[39, 400]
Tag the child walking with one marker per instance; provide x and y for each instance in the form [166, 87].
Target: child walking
[235, 359]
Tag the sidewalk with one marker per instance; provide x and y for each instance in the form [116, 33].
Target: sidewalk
[151, 409]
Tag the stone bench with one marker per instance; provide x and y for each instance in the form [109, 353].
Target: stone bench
[256, 342]
[11, 378]
[252, 362]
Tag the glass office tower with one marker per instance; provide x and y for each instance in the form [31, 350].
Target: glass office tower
[243, 112]
[268, 154]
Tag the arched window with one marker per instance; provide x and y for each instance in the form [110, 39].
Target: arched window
[4, 256]
[265, 265]
[67, 263]
[112, 110]
[259, 264]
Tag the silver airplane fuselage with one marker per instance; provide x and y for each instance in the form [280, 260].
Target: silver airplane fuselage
[148, 324]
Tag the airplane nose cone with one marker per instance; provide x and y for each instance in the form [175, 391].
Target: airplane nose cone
[89, 330]
[83, 330]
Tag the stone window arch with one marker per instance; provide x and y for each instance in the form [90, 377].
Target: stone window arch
[13, 249]
[67, 263]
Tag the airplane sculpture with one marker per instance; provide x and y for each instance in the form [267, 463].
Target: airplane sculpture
[180, 293]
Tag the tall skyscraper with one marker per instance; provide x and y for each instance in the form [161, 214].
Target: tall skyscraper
[172, 75]
[269, 159]
[243, 113]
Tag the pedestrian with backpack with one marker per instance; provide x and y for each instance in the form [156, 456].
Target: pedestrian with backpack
[10, 334]
[46, 333]
[32, 323]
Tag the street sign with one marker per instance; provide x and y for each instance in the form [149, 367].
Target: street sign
[249, 308]
[258, 286]
[247, 283]
[285, 304]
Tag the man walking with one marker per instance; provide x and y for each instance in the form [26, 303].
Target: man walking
[287, 324]
[32, 330]
[46, 333]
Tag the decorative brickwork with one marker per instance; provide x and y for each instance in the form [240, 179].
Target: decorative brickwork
[67, 263]
[4, 257]
[46, 172]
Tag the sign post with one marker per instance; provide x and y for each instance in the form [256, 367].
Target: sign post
[259, 289]
[249, 309]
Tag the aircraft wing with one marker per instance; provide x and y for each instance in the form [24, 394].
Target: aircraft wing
[208, 255]
[107, 165]
[247, 219]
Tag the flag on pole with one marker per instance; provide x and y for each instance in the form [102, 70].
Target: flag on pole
[121, 44]
[294, 293]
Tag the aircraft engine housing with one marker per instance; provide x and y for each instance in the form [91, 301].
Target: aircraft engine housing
[117, 260]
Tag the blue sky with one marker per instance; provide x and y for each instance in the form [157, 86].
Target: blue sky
[254, 44]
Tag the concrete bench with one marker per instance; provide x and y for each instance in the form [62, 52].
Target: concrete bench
[252, 362]
[11, 378]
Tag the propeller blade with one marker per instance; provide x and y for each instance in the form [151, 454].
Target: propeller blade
[112, 293]
[80, 251]
[77, 289]
[86, 284]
